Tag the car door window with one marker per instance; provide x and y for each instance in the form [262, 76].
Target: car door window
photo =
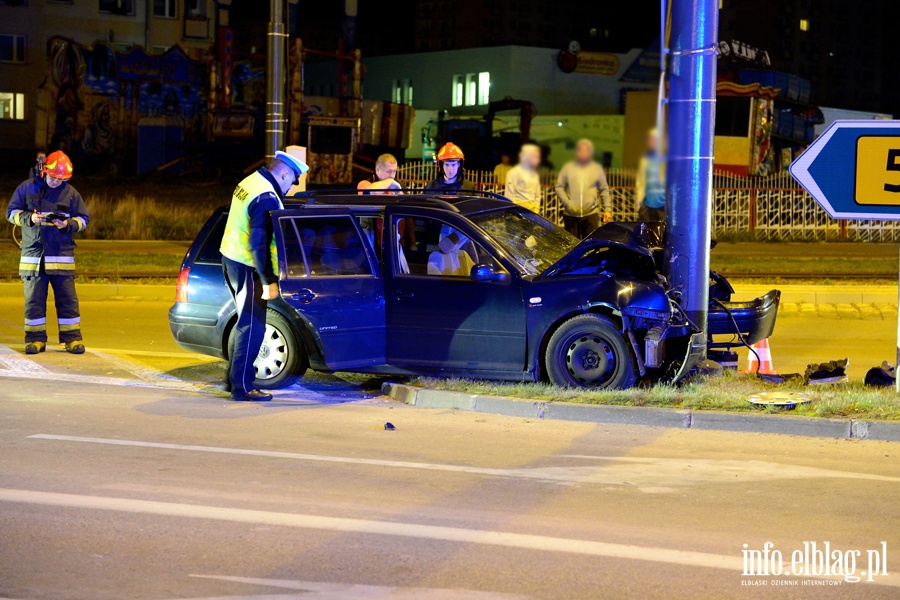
[439, 249]
[324, 247]
[293, 248]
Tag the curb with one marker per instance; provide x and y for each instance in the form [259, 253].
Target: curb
[653, 417]
[101, 291]
[822, 294]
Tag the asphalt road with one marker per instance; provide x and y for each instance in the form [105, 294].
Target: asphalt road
[125, 474]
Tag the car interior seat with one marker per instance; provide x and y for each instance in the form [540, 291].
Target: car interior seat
[451, 259]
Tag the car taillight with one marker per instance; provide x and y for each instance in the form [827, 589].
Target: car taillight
[181, 287]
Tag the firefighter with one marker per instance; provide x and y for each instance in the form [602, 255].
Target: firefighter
[50, 212]
[451, 161]
[251, 266]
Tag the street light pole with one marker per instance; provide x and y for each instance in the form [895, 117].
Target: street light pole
[691, 126]
[275, 79]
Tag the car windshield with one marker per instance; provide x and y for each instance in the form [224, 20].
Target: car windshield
[532, 241]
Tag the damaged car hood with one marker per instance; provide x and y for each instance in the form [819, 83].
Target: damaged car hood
[617, 249]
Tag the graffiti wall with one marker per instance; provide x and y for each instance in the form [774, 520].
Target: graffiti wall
[95, 98]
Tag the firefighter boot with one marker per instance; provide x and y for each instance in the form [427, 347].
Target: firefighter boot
[76, 347]
[35, 347]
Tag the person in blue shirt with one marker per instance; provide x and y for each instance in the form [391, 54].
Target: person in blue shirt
[251, 267]
[650, 184]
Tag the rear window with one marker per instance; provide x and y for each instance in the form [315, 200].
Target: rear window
[209, 252]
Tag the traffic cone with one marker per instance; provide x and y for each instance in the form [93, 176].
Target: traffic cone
[764, 353]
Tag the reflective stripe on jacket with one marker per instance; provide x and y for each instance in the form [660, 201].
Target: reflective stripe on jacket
[236, 239]
[44, 241]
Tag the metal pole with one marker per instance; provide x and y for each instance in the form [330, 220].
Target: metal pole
[276, 76]
[691, 126]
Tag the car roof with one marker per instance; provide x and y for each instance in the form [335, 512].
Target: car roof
[466, 203]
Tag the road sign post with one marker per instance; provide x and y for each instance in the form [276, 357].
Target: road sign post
[853, 172]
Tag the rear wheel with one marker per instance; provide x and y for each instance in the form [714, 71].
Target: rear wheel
[589, 351]
[282, 359]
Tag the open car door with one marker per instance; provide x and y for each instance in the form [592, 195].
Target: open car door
[329, 273]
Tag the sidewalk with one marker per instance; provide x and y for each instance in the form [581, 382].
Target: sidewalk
[652, 417]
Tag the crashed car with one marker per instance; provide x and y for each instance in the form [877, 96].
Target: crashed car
[469, 286]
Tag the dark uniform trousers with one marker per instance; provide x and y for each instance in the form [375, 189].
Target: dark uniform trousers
[246, 289]
[67, 313]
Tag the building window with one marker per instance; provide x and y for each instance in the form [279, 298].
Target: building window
[402, 91]
[471, 89]
[458, 91]
[158, 50]
[804, 24]
[117, 7]
[165, 9]
[12, 106]
[12, 48]
[13, 2]
[484, 88]
[195, 9]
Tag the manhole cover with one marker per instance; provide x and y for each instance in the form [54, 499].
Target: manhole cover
[779, 399]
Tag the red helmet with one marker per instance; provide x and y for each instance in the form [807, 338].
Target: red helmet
[450, 151]
[58, 166]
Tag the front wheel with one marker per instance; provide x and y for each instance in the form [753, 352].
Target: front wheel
[282, 359]
[589, 351]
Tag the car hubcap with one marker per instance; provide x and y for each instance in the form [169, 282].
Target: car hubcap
[590, 360]
[273, 354]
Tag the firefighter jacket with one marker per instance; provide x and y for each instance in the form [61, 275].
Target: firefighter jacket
[248, 237]
[43, 241]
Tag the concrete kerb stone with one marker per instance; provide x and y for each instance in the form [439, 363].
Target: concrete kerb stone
[102, 291]
[887, 431]
[739, 422]
[622, 415]
[647, 416]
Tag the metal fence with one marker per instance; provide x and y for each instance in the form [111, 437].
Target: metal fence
[765, 208]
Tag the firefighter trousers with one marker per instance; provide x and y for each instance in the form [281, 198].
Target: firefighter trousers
[246, 289]
[67, 313]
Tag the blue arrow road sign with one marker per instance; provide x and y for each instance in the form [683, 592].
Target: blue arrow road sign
[853, 170]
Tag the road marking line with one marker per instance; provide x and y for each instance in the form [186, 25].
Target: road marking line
[520, 473]
[98, 380]
[407, 530]
[648, 474]
[157, 354]
[18, 365]
[142, 372]
[352, 591]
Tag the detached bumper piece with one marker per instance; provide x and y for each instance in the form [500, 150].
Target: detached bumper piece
[830, 372]
[755, 320]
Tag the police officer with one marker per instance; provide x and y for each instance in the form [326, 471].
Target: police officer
[50, 212]
[250, 265]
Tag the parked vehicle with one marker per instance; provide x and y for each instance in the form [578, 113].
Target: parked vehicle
[470, 286]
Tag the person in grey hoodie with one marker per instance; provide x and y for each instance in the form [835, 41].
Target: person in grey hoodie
[581, 186]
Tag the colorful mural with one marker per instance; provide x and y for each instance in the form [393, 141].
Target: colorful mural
[95, 98]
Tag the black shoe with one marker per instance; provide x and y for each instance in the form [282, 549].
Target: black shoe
[76, 347]
[251, 396]
[35, 347]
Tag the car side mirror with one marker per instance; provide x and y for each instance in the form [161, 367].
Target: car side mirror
[487, 273]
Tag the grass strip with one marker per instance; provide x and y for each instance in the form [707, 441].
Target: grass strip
[729, 392]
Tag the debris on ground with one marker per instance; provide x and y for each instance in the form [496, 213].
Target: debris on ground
[786, 400]
[882, 376]
[830, 372]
